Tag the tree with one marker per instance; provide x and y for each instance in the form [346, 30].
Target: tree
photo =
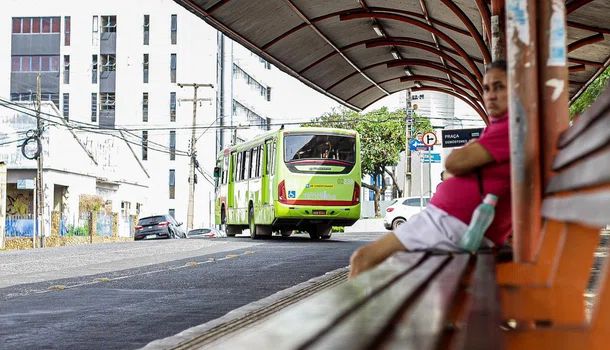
[590, 94]
[382, 139]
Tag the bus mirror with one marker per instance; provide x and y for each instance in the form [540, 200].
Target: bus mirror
[216, 172]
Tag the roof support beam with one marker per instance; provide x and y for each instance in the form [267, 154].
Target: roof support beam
[479, 107]
[575, 5]
[424, 9]
[190, 5]
[405, 38]
[323, 37]
[586, 41]
[589, 28]
[599, 72]
[485, 15]
[217, 5]
[471, 28]
[585, 62]
[466, 72]
[577, 68]
[452, 93]
[422, 25]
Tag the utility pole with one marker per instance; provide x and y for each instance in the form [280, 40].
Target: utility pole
[193, 151]
[39, 184]
[409, 112]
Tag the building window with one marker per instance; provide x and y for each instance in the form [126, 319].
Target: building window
[95, 28]
[172, 106]
[66, 69]
[254, 84]
[145, 68]
[108, 63]
[144, 145]
[30, 97]
[94, 107]
[107, 101]
[172, 145]
[268, 93]
[108, 24]
[172, 184]
[66, 106]
[174, 29]
[34, 64]
[145, 107]
[37, 25]
[94, 69]
[146, 26]
[172, 213]
[172, 67]
[67, 31]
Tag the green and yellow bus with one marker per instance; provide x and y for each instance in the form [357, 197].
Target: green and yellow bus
[305, 179]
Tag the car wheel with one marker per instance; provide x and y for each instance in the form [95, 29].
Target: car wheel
[397, 222]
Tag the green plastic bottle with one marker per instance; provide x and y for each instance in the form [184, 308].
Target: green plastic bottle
[482, 217]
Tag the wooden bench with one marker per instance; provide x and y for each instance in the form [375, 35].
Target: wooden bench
[410, 301]
[462, 301]
[545, 299]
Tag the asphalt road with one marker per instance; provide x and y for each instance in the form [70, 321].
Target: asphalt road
[101, 299]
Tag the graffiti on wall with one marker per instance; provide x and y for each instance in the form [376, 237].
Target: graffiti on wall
[19, 202]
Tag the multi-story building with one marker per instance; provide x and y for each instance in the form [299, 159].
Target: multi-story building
[114, 69]
[113, 73]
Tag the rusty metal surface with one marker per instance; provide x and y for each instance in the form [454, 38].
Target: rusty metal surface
[296, 45]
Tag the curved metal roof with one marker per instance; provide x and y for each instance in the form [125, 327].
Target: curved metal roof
[356, 51]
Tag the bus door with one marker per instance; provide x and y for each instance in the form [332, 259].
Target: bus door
[269, 172]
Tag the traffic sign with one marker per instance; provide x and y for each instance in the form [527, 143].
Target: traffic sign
[416, 145]
[431, 157]
[429, 139]
[459, 137]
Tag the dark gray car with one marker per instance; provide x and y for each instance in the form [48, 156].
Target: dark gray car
[158, 226]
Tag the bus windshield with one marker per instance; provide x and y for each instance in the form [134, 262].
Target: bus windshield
[299, 147]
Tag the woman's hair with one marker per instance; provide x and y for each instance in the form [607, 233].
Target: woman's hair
[500, 64]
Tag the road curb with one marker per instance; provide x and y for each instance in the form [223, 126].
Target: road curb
[242, 312]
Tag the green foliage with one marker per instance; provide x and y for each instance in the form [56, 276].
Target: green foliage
[590, 94]
[338, 229]
[77, 231]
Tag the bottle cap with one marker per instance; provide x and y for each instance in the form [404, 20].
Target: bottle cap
[490, 199]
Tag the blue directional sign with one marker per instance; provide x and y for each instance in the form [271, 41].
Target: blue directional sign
[431, 157]
[459, 137]
[416, 145]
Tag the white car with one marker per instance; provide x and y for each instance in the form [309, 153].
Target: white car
[401, 210]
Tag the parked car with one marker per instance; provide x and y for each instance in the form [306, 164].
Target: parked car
[206, 233]
[158, 226]
[401, 210]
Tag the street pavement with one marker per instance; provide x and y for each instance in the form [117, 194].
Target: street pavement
[125, 295]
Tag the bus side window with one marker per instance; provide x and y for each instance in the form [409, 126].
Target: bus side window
[254, 163]
[261, 159]
[274, 157]
[240, 166]
[268, 160]
[247, 164]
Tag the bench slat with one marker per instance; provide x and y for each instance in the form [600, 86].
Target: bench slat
[362, 328]
[600, 106]
[590, 172]
[590, 140]
[314, 315]
[422, 327]
[591, 209]
[482, 323]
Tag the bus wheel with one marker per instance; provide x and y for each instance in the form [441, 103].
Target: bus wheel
[286, 233]
[325, 231]
[251, 224]
[233, 230]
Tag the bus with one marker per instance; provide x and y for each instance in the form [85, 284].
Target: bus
[305, 179]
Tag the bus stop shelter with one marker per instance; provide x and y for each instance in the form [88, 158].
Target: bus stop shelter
[360, 51]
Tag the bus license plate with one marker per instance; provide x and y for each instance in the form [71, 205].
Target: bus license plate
[319, 212]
